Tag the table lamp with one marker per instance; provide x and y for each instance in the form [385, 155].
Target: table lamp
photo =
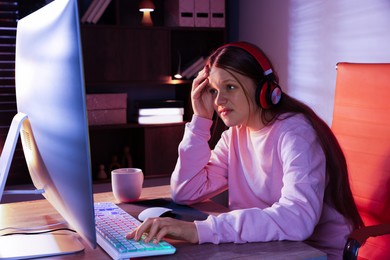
[146, 7]
[178, 72]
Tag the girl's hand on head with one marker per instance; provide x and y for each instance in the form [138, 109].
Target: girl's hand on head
[202, 100]
[155, 229]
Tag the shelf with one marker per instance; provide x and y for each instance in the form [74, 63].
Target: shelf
[127, 54]
[152, 28]
[131, 125]
[121, 56]
[167, 80]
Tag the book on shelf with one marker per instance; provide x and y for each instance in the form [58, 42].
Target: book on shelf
[194, 67]
[89, 11]
[143, 120]
[95, 11]
[101, 10]
[159, 103]
[160, 111]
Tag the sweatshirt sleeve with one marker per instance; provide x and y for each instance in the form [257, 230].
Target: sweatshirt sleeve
[199, 173]
[294, 215]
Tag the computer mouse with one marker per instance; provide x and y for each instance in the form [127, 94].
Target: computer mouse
[153, 212]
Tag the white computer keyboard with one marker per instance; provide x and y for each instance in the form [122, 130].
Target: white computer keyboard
[112, 225]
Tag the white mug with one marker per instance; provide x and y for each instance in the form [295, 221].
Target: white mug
[127, 184]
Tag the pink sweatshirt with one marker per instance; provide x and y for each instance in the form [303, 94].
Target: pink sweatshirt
[276, 181]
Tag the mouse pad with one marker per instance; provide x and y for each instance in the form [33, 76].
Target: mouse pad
[181, 212]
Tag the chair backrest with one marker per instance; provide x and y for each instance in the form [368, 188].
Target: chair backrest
[361, 123]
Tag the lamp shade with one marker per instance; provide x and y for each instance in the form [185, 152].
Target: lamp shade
[146, 6]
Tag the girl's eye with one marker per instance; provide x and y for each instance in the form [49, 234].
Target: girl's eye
[213, 91]
[231, 87]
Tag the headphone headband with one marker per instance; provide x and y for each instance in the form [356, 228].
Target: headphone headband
[255, 53]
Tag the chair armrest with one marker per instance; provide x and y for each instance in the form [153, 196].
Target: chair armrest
[359, 236]
[362, 234]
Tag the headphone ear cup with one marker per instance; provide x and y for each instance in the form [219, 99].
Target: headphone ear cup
[268, 94]
[275, 94]
[259, 94]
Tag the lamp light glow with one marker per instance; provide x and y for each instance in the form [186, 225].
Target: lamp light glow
[178, 73]
[146, 7]
[177, 76]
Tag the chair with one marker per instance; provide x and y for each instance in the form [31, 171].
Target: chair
[361, 123]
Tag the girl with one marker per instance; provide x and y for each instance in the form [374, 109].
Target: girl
[284, 169]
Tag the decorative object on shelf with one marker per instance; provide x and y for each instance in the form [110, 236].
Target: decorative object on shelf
[101, 175]
[146, 7]
[178, 72]
[114, 163]
[127, 160]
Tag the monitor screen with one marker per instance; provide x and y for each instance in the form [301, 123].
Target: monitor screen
[50, 92]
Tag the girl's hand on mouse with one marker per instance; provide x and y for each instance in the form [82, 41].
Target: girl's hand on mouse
[156, 229]
[202, 101]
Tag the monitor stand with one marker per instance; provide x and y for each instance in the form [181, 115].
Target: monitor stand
[37, 245]
[9, 148]
[7, 155]
[41, 245]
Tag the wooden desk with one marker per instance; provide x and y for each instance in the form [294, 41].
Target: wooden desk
[40, 212]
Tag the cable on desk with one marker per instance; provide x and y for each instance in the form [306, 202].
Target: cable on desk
[38, 232]
[33, 228]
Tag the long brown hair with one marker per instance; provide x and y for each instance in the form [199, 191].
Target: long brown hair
[338, 190]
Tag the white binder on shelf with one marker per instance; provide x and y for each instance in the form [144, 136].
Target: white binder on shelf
[179, 13]
[202, 16]
[217, 13]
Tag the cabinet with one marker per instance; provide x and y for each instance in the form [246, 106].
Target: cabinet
[120, 55]
[153, 148]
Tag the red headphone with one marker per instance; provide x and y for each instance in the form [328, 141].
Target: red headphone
[268, 92]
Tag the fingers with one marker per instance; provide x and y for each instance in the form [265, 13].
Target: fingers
[151, 228]
[202, 100]
[131, 235]
[201, 81]
[137, 233]
[155, 229]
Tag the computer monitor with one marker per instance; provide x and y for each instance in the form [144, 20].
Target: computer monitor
[52, 114]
